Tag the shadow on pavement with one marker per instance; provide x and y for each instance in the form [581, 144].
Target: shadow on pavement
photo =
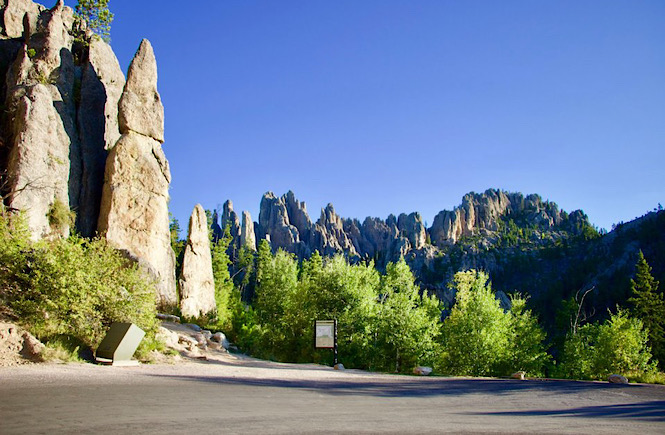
[650, 411]
[402, 386]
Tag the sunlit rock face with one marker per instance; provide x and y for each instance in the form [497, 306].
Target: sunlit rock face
[61, 100]
[197, 286]
[134, 209]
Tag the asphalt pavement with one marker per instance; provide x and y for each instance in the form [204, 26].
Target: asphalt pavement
[250, 396]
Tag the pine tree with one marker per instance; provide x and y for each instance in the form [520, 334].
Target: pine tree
[97, 16]
[649, 306]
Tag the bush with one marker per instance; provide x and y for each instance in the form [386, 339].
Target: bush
[619, 345]
[480, 339]
[71, 287]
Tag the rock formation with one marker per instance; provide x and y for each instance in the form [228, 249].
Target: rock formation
[102, 83]
[197, 285]
[329, 236]
[40, 105]
[247, 237]
[482, 213]
[61, 100]
[230, 220]
[134, 209]
[274, 224]
[285, 222]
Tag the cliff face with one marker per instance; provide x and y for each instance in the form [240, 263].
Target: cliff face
[71, 125]
[61, 99]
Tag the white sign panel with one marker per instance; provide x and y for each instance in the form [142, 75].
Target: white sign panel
[324, 334]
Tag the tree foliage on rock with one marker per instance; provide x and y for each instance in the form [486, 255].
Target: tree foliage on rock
[97, 16]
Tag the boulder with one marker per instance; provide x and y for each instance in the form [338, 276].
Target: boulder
[32, 348]
[518, 375]
[197, 285]
[193, 326]
[339, 367]
[422, 371]
[134, 208]
[168, 317]
[220, 338]
[617, 379]
[170, 338]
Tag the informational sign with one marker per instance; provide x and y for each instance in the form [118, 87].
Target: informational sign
[324, 334]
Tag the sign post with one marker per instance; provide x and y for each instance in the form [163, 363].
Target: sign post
[325, 336]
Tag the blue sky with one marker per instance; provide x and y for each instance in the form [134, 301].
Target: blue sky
[397, 106]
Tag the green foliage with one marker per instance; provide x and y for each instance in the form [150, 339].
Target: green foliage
[480, 339]
[72, 288]
[649, 306]
[60, 217]
[97, 16]
[397, 330]
[407, 325]
[222, 278]
[526, 351]
[476, 332]
[618, 345]
[178, 245]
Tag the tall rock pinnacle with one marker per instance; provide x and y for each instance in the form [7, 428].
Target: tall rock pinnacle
[134, 211]
[197, 285]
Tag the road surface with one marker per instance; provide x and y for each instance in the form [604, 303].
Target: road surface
[240, 395]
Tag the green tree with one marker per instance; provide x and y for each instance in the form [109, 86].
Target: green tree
[407, 325]
[476, 339]
[526, 350]
[618, 345]
[97, 16]
[649, 306]
[177, 244]
[223, 283]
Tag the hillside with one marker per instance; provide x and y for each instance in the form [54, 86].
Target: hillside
[527, 245]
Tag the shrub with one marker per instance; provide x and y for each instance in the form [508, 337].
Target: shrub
[619, 345]
[71, 287]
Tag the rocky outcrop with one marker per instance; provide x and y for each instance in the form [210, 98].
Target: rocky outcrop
[412, 228]
[230, 220]
[102, 83]
[42, 114]
[482, 213]
[134, 209]
[285, 222]
[275, 225]
[62, 101]
[197, 285]
[247, 237]
[329, 237]
[19, 18]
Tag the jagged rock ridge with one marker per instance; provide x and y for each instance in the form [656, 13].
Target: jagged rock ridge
[284, 221]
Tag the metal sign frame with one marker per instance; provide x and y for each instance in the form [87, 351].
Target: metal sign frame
[322, 336]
